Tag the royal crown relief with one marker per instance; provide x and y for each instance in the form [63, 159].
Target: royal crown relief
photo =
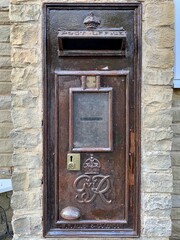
[92, 184]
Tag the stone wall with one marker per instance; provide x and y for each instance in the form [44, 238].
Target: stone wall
[176, 166]
[158, 56]
[6, 147]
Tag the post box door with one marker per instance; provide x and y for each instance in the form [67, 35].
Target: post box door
[91, 120]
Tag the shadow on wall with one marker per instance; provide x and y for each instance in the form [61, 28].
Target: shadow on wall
[5, 216]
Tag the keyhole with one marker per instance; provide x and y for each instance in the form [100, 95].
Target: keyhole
[71, 158]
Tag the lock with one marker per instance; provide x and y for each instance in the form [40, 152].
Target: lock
[73, 161]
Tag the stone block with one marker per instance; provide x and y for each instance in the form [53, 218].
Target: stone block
[150, 146]
[20, 181]
[161, 37]
[175, 143]
[158, 76]
[4, 17]
[26, 139]
[175, 157]
[23, 57]
[156, 161]
[5, 130]
[5, 34]
[5, 75]
[176, 129]
[35, 179]
[6, 146]
[176, 228]
[5, 160]
[156, 205]
[159, 58]
[176, 201]
[156, 226]
[159, 14]
[160, 118]
[21, 225]
[157, 134]
[157, 182]
[154, 96]
[4, 3]
[5, 102]
[175, 215]
[36, 225]
[28, 160]
[25, 78]
[25, 35]
[24, 99]
[5, 62]
[176, 185]
[5, 116]
[5, 49]
[24, 12]
[26, 200]
[5, 88]
[176, 173]
[176, 114]
[26, 118]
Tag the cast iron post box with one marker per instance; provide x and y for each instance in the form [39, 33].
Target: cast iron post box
[91, 119]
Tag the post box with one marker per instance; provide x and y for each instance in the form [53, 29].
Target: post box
[92, 85]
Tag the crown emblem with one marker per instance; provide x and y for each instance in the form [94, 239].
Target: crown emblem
[91, 21]
[91, 165]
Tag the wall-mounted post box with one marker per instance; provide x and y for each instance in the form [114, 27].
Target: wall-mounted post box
[92, 119]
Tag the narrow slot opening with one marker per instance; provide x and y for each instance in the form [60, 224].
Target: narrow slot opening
[93, 44]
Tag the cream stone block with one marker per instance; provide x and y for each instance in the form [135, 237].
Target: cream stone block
[5, 33]
[160, 37]
[5, 116]
[5, 129]
[24, 12]
[159, 13]
[176, 186]
[25, 35]
[156, 226]
[26, 78]
[27, 200]
[26, 118]
[27, 160]
[160, 118]
[21, 224]
[156, 161]
[26, 139]
[6, 146]
[157, 76]
[5, 88]
[161, 58]
[24, 99]
[22, 57]
[157, 182]
[5, 49]
[5, 62]
[154, 95]
[156, 205]
[5, 75]
[5, 102]
[4, 17]
[20, 181]
[157, 134]
[6, 160]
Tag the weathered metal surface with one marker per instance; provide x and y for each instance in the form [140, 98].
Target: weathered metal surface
[109, 198]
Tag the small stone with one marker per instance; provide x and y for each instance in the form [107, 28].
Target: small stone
[70, 213]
